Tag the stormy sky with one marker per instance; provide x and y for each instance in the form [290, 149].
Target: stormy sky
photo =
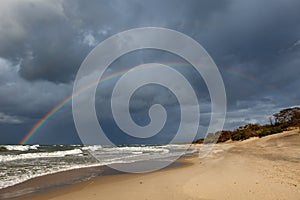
[255, 44]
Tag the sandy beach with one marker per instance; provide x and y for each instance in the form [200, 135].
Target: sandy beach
[258, 168]
[149, 100]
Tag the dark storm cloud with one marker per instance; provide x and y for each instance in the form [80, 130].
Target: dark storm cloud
[39, 34]
[42, 44]
[49, 36]
[24, 99]
[250, 38]
[255, 30]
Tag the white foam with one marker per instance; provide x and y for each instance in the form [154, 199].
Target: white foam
[36, 146]
[141, 149]
[112, 155]
[5, 158]
[25, 177]
[92, 148]
[20, 147]
[17, 147]
[137, 152]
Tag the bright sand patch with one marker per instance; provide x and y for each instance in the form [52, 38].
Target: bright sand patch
[265, 168]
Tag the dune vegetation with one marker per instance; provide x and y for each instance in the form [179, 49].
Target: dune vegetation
[283, 120]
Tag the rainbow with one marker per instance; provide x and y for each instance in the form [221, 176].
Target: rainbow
[59, 106]
[56, 108]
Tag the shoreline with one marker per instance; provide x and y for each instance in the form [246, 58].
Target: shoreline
[103, 179]
[258, 168]
[50, 182]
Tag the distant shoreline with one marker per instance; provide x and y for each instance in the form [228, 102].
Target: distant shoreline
[284, 120]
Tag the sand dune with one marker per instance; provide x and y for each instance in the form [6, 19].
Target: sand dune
[258, 168]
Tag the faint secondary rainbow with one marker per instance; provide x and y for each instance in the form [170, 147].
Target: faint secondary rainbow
[60, 105]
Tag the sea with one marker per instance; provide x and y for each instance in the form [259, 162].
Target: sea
[19, 163]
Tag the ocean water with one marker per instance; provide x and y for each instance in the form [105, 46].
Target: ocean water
[19, 163]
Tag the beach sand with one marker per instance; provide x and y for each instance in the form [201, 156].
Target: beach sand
[258, 168]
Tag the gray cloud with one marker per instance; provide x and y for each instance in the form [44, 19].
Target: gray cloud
[7, 119]
[42, 44]
[28, 99]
